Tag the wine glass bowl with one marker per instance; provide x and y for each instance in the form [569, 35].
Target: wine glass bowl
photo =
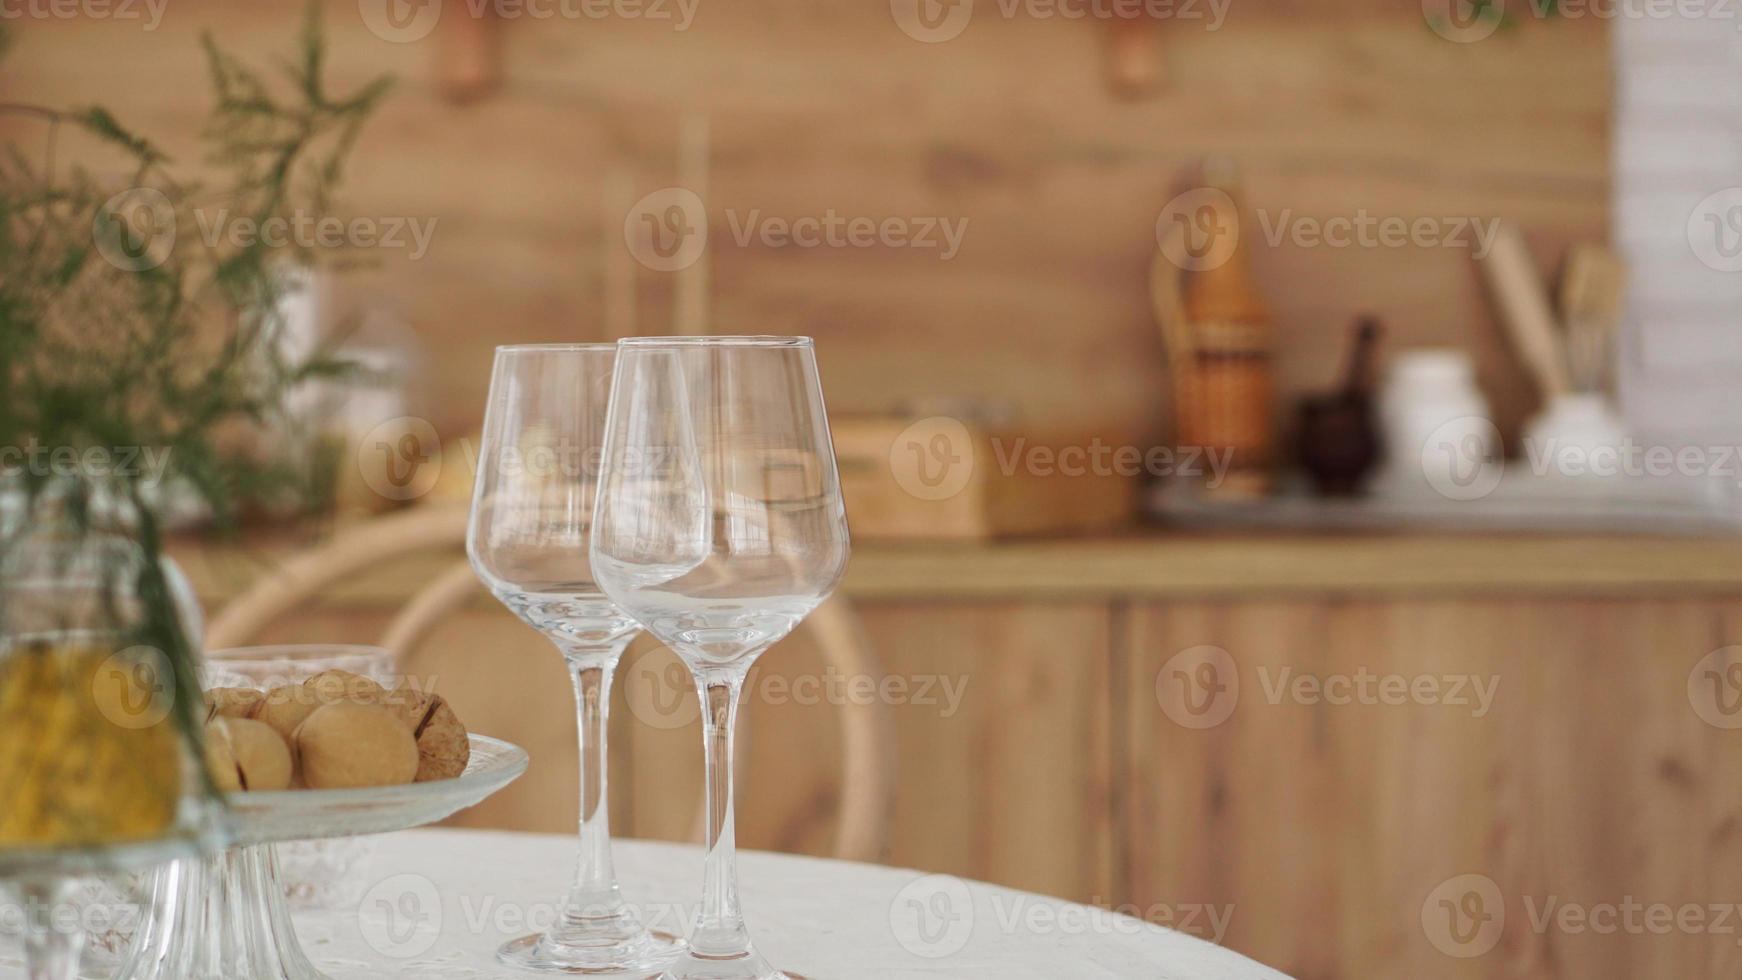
[720, 524]
[719, 527]
[537, 474]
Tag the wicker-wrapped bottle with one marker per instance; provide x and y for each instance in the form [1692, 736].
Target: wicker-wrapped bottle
[1224, 390]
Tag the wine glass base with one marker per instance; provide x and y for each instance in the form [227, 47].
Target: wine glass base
[645, 953]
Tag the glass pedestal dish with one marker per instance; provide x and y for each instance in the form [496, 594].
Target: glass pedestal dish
[224, 917]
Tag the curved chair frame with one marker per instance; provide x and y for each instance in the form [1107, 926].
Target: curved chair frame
[867, 731]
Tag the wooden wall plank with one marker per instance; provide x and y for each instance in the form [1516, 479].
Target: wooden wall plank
[1043, 314]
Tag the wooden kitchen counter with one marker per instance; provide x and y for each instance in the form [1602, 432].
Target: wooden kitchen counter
[1149, 563]
[1044, 738]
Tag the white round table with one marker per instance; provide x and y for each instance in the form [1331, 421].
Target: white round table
[439, 902]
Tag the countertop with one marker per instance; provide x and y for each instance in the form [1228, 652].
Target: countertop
[1147, 563]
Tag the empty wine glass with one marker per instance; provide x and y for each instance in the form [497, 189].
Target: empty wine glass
[719, 526]
[537, 473]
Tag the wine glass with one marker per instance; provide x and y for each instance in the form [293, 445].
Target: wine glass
[527, 540]
[719, 527]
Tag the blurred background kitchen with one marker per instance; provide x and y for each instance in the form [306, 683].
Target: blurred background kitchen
[1289, 447]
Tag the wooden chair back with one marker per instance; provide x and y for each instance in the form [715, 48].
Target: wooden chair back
[867, 731]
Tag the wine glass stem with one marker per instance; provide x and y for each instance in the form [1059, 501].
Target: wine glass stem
[720, 931]
[595, 893]
[52, 940]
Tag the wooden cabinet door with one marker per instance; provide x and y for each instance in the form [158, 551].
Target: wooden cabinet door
[1363, 827]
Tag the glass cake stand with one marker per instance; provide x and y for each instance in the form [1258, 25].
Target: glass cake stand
[224, 917]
